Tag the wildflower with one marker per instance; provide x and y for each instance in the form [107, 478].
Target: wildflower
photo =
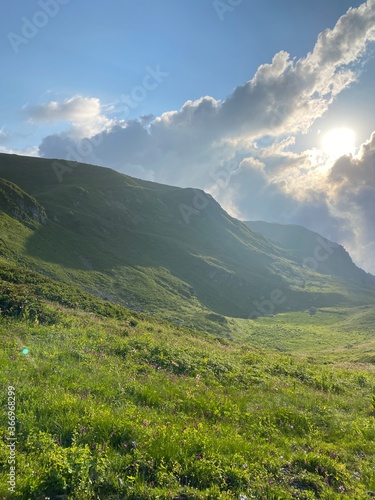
[341, 488]
[134, 444]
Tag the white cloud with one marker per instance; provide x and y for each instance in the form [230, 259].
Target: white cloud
[75, 109]
[85, 115]
[338, 202]
[4, 135]
[284, 97]
[32, 151]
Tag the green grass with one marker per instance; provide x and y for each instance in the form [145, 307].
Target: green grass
[342, 333]
[138, 409]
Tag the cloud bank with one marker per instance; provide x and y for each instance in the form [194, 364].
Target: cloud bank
[240, 148]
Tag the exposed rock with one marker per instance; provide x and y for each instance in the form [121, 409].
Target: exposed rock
[18, 204]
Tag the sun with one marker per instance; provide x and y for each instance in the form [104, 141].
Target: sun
[339, 142]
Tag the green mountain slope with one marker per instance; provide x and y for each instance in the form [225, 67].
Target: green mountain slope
[21, 206]
[165, 250]
[308, 248]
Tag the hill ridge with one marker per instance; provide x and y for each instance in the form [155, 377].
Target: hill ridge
[126, 239]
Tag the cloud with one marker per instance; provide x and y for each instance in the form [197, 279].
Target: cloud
[75, 109]
[352, 182]
[31, 151]
[284, 97]
[4, 136]
[338, 202]
[83, 113]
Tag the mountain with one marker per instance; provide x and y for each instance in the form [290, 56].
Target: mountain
[169, 251]
[308, 248]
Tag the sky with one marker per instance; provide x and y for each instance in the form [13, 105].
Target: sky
[269, 106]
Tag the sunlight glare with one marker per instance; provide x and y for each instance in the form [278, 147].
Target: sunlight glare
[339, 142]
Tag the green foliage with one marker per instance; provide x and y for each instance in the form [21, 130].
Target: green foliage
[134, 408]
[27, 295]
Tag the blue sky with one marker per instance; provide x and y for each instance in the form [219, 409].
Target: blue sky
[230, 96]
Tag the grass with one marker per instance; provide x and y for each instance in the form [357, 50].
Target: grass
[339, 333]
[140, 409]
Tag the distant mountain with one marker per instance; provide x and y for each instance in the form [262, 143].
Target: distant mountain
[311, 250]
[169, 251]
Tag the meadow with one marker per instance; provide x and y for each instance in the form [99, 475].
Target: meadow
[129, 407]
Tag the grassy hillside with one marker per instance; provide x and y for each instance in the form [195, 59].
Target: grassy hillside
[342, 334]
[309, 248]
[132, 242]
[138, 409]
[20, 205]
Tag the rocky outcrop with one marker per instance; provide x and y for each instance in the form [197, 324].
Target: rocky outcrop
[19, 205]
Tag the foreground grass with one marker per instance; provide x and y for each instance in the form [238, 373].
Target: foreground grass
[136, 409]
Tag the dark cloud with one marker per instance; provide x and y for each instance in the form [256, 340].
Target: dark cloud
[352, 180]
